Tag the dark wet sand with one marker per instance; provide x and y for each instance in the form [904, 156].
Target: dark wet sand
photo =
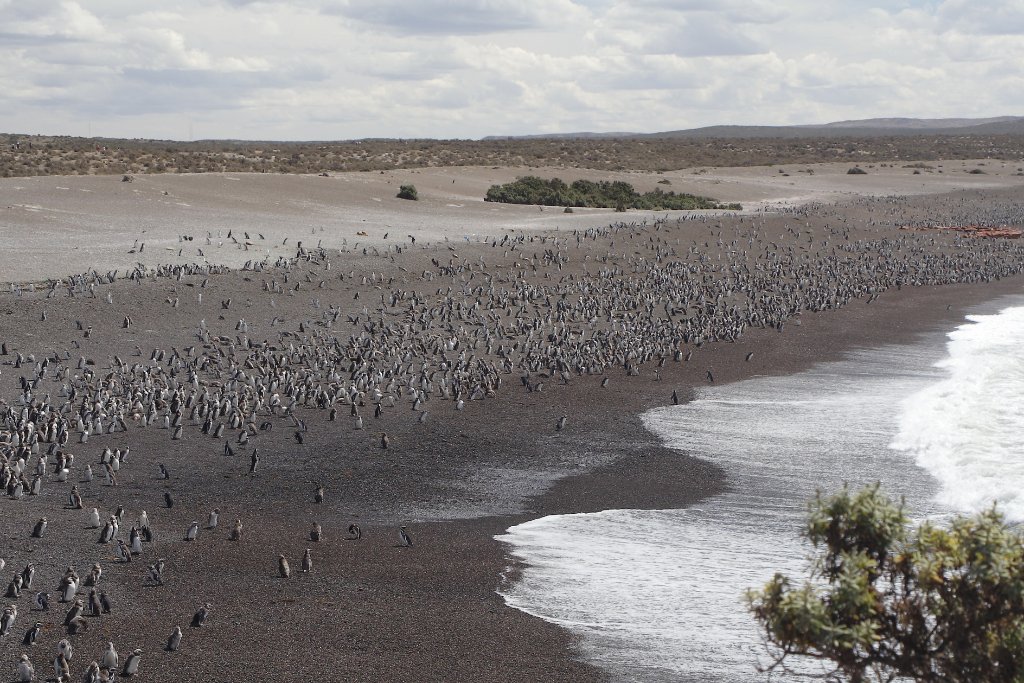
[370, 610]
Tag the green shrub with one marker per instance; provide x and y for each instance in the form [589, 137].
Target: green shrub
[408, 192]
[594, 194]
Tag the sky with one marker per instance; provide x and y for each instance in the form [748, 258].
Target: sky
[348, 69]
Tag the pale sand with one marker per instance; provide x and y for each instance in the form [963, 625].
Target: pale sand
[69, 224]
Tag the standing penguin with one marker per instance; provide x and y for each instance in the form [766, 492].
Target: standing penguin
[199, 618]
[192, 532]
[282, 567]
[318, 496]
[254, 460]
[316, 533]
[404, 538]
[236, 531]
[110, 659]
[32, 635]
[168, 499]
[211, 522]
[307, 561]
[131, 666]
[94, 519]
[40, 528]
[26, 674]
[174, 641]
[7, 619]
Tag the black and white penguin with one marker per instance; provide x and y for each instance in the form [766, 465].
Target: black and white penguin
[192, 532]
[404, 538]
[354, 532]
[32, 635]
[213, 519]
[307, 561]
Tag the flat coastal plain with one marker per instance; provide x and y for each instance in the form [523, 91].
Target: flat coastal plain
[463, 332]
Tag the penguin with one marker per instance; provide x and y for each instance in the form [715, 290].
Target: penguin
[675, 398]
[211, 521]
[78, 625]
[318, 495]
[135, 540]
[42, 601]
[94, 519]
[28, 575]
[307, 561]
[76, 611]
[61, 668]
[283, 568]
[110, 658]
[192, 532]
[64, 648]
[405, 540]
[385, 442]
[104, 603]
[561, 423]
[92, 674]
[69, 590]
[124, 553]
[94, 604]
[40, 528]
[26, 674]
[168, 499]
[164, 473]
[156, 571]
[354, 532]
[316, 533]
[236, 532]
[131, 665]
[199, 619]
[7, 619]
[32, 635]
[254, 460]
[174, 641]
[75, 499]
[143, 520]
[87, 474]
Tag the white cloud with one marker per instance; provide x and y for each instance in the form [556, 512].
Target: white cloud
[321, 69]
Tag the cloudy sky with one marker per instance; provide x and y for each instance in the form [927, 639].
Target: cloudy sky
[340, 69]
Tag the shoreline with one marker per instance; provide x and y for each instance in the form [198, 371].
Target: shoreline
[371, 609]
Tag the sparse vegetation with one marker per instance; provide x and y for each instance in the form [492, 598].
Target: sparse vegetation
[408, 192]
[603, 194]
[856, 170]
[30, 155]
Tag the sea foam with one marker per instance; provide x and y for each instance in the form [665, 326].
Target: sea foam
[658, 595]
[967, 429]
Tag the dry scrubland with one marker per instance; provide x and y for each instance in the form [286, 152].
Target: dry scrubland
[41, 155]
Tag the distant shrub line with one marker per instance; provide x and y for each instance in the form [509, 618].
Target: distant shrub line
[601, 194]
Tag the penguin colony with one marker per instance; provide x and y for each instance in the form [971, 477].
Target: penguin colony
[507, 315]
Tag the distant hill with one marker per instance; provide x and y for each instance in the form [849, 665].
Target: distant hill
[881, 127]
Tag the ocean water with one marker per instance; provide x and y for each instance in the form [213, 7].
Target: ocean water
[657, 595]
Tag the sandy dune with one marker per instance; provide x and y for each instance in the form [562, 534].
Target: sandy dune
[69, 224]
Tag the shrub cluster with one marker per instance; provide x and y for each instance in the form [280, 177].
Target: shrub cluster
[601, 194]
